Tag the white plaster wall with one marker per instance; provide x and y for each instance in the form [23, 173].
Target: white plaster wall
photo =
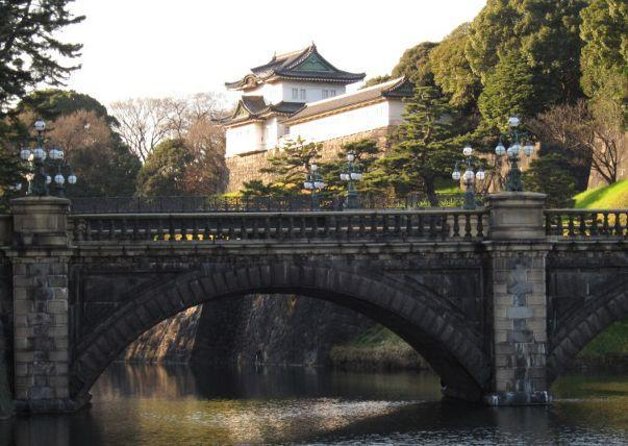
[341, 124]
[272, 93]
[245, 138]
[271, 133]
[395, 111]
[313, 90]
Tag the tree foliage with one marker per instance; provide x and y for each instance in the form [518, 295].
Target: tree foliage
[163, 173]
[376, 80]
[29, 48]
[145, 122]
[585, 135]
[451, 69]
[551, 174]
[546, 35]
[289, 166]
[426, 150]
[509, 91]
[604, 59]
[366, 152]
[415, 64]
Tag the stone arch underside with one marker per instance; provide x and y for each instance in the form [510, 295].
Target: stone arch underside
[453, 349]
[609, 306]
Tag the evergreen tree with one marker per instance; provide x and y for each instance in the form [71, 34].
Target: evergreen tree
[289, 167]
[415, 65]
[451, 69]
[29, 46]
[508, 91]
[546, 35]
[426, 151]
[163, 173]
[366, 152]
[604, 58]
[551, 174]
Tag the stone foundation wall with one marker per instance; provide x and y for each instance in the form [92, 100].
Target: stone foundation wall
[247, 167]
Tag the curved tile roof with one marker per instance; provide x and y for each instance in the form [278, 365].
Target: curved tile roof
[306, 64]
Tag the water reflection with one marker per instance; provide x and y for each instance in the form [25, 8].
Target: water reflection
[137, 405]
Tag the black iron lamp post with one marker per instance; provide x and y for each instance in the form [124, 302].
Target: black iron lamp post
[48, 170]
[469, 177]
[352, 175]
[520, 141]
[314, 183]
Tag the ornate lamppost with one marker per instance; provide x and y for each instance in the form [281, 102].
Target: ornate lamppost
[520, 141]
[42, 174]
[352, 175]
[469, 177]
[314, 183]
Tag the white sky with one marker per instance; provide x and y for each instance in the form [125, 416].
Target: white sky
[156, 48]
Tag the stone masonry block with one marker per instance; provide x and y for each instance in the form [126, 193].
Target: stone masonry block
[58, 307]
[520, 313]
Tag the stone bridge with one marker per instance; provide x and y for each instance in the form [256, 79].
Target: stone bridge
[498, 300]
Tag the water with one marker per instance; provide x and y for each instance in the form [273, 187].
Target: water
[155, 405]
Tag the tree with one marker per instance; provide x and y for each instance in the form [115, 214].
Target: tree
[206, 174]
[415, 64]
[546, 35]
[366, 152]
[163, 173]
[508, 91]
[587, 136]
[145, 122]
[426, 151]
[104, 166]
[29, 48]
[451, 69]
[376, 81]
[604, 57]
[551, 175]
[289, 167]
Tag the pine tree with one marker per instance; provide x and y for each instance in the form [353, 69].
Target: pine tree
[426, 151]
[508, 91]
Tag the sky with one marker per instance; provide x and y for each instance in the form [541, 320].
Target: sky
[159, 48]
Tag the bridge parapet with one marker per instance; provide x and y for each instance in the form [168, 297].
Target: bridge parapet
[574, 224]
[275, 227]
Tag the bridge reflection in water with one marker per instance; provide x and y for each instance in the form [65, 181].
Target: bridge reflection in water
[157, 405]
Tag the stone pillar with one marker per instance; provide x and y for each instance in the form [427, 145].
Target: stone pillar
[518, 248]
[40, 258]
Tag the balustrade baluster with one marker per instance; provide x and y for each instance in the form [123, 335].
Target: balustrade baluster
[467, 226]
[480, 226]
[618, 229]
[349, 226]
[570, 226]
[171, 230]
[559, 226]
[432, 230]
[605, 227]
[456, 226]
[594, 228]
[583, 225]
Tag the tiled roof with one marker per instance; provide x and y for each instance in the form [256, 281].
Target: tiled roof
[396, 88]
[305, 64]
[255, 108]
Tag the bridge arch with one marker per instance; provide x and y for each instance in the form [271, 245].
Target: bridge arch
[583, 325]
[434, 327]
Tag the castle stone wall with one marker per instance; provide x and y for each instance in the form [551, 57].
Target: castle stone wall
[243, 168]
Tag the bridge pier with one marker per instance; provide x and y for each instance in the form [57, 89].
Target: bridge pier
[518, 249]
[40, 258]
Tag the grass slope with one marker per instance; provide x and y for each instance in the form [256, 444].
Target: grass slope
[613, 340]
[605, 197]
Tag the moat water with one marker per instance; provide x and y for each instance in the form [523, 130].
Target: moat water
[156, 405]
